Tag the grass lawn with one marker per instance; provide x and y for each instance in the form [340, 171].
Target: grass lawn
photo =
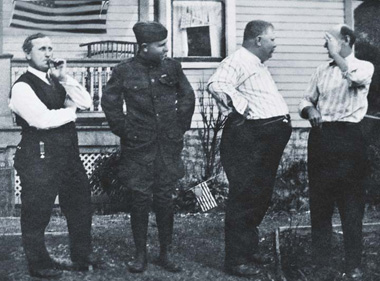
[198, 246]
[296, 254]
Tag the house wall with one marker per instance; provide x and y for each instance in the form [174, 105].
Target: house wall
[122, 15]
[300, 27]
[299, 24]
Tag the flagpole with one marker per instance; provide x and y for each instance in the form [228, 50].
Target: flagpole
[191, 188]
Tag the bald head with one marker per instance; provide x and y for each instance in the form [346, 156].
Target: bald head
[343, 32]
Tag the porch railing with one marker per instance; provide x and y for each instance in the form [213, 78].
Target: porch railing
[92, 74]
[110, 49]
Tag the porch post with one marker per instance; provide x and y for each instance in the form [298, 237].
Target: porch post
[6, 123]
[1, 27]
[5, 87]
[7, 198]
[143, 10]
[348, 13]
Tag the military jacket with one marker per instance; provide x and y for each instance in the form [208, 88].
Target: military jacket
[159, 106]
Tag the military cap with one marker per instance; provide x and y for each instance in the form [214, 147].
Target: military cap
[149, 31]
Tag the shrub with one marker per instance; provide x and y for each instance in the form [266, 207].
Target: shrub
[104, 179]
[291, 189]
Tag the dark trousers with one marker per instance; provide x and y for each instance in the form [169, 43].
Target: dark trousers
[42, 180]
[337, 167]
[250, 155]
[152, 185]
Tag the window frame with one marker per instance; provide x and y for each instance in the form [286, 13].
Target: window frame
[200, 58]
[229, 7]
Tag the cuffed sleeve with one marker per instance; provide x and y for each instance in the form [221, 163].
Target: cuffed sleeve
[311, 95]
[224, 92]
[222, 86]
[359, 73]
[77, 93]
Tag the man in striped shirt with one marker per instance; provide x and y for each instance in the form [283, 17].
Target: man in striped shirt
[255, 135]
[335, 102]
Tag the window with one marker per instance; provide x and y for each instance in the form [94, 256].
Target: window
[198, 30]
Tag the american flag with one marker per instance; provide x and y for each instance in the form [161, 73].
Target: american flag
[204, 197]
[76, 16]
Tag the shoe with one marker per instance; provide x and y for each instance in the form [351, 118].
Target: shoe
[261, 259]
[168, 265]
[62, 265]
[243, 270]
[354, 274]
[87, 264]
[137, 265]
[47, 273]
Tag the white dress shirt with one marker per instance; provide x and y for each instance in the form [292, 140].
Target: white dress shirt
[248, 84]
[25, 103]
[340, 96]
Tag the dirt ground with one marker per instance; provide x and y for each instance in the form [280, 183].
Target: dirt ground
[198, 247]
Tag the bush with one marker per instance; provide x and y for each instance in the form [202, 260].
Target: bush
[291, 189]
[105, 180]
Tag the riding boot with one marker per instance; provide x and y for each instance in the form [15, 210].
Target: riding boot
[139, 223]
[164, 219]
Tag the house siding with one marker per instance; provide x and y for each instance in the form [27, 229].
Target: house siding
[299, 27]
[122, 15]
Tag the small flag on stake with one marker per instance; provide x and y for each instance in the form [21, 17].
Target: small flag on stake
[204, 197]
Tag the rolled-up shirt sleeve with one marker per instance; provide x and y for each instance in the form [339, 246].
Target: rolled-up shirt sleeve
[77, 93]
[359, 72]
[25, 103]
[311, 95]
[222, 86]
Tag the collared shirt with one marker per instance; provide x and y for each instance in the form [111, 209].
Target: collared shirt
[27, 105]
[340, 96]
[242, 79]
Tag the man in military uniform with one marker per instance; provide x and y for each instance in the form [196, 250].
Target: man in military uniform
[160, 104]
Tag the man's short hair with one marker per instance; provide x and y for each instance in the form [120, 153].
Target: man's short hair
[28, 45]
[255, 28]
[346, 31]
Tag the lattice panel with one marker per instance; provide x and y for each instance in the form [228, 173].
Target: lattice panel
[88, 160]
[17, 189]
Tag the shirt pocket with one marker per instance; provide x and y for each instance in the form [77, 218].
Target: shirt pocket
[168, 80]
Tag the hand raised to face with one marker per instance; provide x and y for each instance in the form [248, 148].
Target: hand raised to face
[333, 45]
[58, 68]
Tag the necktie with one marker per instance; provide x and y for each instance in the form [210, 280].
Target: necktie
[50, 80]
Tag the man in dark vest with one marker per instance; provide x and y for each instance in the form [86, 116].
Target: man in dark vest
[160, 104]
[45, 100]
